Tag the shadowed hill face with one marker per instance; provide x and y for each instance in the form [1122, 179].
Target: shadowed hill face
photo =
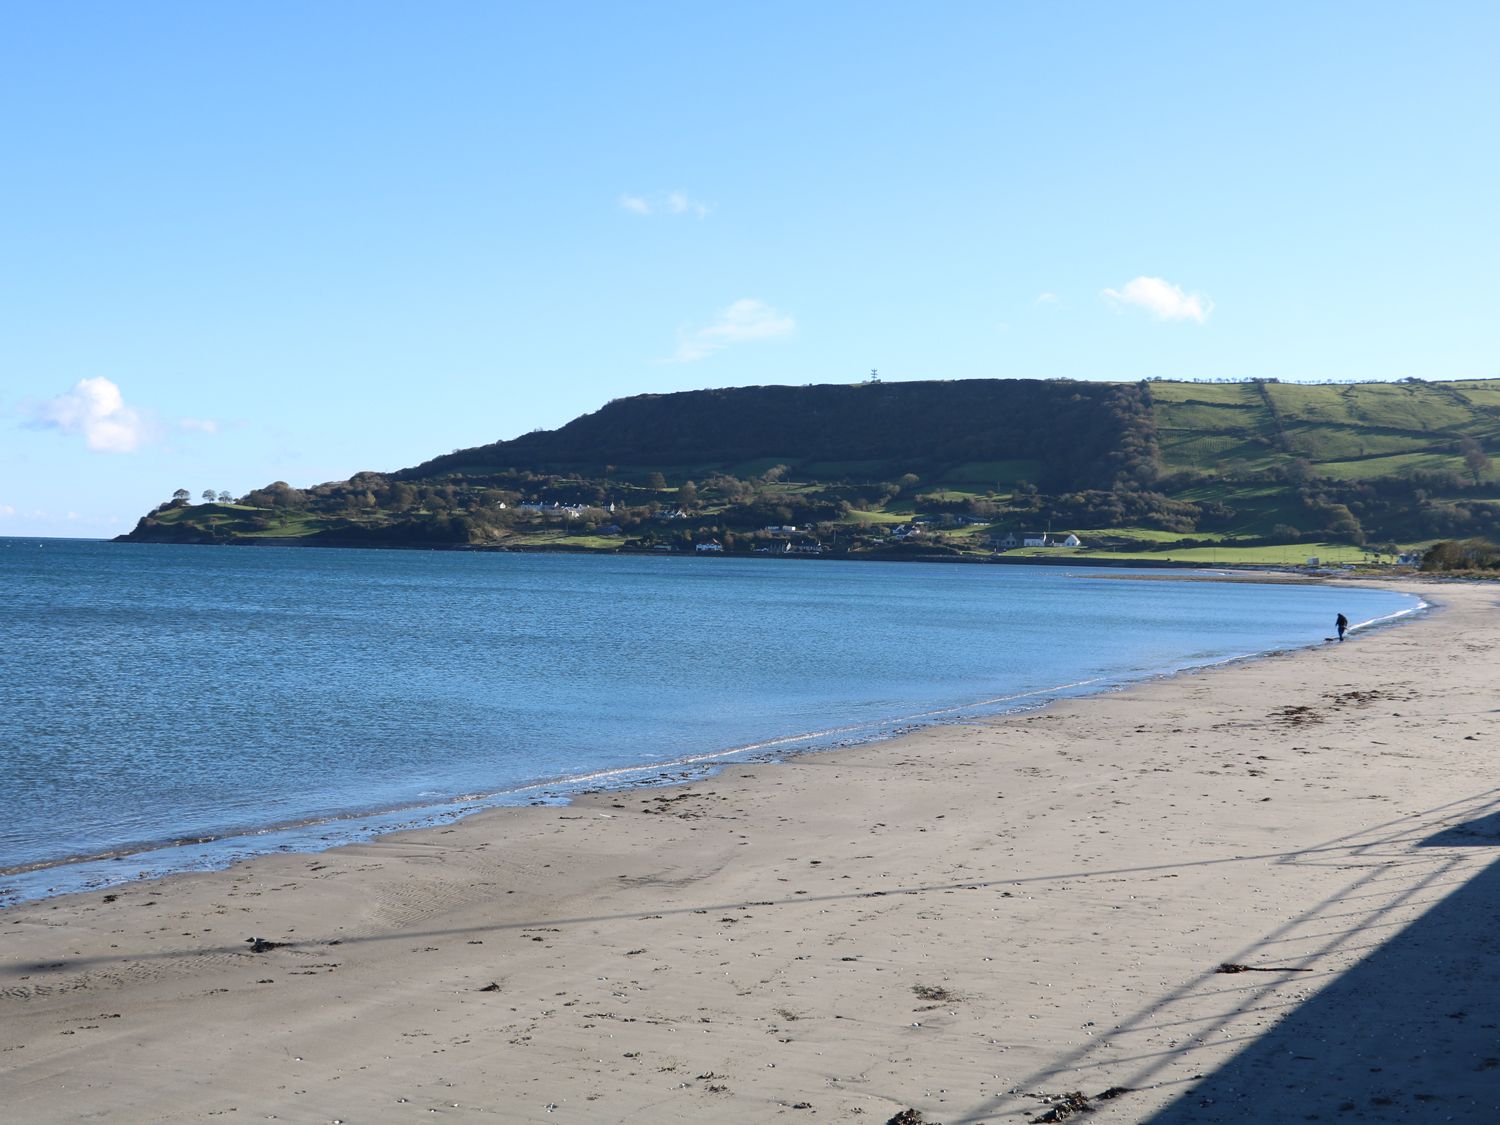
[1082, 434]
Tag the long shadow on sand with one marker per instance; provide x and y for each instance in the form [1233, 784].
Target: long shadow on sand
[1411, 1033]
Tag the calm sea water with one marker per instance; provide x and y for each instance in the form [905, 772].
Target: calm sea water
[225, 701]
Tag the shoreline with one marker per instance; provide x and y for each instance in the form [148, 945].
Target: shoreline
[989, 915]
[314, 835]
[1144, 561]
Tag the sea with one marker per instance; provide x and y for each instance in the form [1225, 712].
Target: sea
[167, 708]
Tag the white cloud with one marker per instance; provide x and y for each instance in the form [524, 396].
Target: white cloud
[96, 409]
[1162, 299]
[679, 204]
[671, 203]
[745, 321]
[7, 510]
[1046, 299]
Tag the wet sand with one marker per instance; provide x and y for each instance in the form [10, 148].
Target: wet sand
[970, 922]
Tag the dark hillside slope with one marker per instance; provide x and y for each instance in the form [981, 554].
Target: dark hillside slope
[1084, 435]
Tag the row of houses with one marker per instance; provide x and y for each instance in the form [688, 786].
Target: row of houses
[1013, 539]
[564, 511]
[900, 533]
[575, 511]
[780, 547]
[1009, 541]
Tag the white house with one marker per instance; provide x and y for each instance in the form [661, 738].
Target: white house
[712, 547]
[1038, 539]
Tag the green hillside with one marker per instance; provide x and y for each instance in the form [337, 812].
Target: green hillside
[1355, 431]
[1251, 470]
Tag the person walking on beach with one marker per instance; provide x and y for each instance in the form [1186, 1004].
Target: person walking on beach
[1342, 625]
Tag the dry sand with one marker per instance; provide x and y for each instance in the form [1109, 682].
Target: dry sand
[968, 922]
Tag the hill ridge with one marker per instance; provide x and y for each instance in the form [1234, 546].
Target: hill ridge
[1146, 466]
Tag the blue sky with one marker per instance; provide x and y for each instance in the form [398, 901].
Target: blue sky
[248, 242]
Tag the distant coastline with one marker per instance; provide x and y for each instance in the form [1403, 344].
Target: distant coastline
[1155, 472]
[1291, 572]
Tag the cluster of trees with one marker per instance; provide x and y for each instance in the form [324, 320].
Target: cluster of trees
[1470, 554]
[182, 497]
[1475, 459]
[1418, 506]
[1129, 505]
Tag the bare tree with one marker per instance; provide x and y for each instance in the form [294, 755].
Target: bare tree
[1475, 459]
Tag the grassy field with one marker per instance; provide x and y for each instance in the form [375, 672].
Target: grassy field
[1371, 468]
[868, 519]
[1482, 393]
[1290, 555]
[235, 516]
[1140, 534]
[1215, 394]
[297, 524]
[1356, 431]
[575, 542]
[953, 493]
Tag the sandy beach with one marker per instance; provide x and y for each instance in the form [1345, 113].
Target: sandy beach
[1264, 892]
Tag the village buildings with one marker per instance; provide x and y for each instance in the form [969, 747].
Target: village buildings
[1013, 539]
